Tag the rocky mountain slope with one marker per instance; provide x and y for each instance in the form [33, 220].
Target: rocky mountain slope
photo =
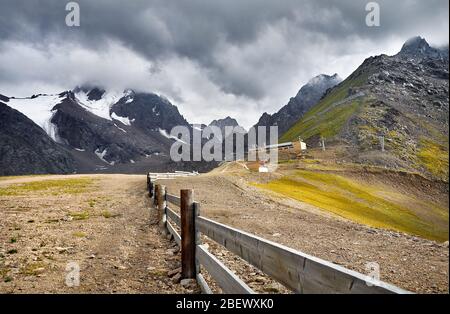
[26, 148]
[297, 106]
[101, 131]
[401, 100]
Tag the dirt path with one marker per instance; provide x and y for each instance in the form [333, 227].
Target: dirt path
[106, 229]
[412, 263]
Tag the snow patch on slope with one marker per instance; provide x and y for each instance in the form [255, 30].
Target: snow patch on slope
[101, 156]
[167, 135]
[102, 106]
[39, 110]
[123, 120]
[120, 128]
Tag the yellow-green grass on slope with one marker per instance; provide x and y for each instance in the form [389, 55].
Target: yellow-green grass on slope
[52, 187]
[338, 94]
[330, 122]
[360, 203]
[434, 157]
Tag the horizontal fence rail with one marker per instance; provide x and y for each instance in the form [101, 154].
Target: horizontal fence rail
[173, 199]
[203, 284]
[174, 216]
[174, 232]
[171, 175]
[227, 280]
[300, 272]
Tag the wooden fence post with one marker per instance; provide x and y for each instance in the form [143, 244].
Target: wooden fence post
[161, 205]
[156, 198]
[149, 186]
[188, 239]
[198, 239]
[163, 220]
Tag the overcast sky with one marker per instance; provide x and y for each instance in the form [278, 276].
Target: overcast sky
[211, 58]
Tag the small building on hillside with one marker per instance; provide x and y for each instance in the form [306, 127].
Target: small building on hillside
[302, 144]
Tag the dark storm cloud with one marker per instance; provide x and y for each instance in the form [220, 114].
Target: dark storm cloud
[248, 48]
[194, 27]
[189, 28]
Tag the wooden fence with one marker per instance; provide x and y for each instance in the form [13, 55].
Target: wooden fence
[297, 271]
[171, 175]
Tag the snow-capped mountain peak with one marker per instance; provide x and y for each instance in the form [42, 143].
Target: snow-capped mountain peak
[124, 129]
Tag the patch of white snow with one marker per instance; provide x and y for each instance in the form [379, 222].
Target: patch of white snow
[167, 135]
[101, 156]
[120, 128]
[39, 110]
[123, 120]
[102, 106]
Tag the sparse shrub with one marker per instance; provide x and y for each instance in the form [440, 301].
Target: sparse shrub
[79, 234]
[108, 214]
[79, 215]
[33, 269]
[49, 221]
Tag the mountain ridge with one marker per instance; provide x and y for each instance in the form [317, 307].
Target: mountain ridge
[402, 99]
[104, 129]
[308, 95]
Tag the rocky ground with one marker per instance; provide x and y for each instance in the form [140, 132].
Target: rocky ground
[106, 227]
[104, 223]
[409, 262]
